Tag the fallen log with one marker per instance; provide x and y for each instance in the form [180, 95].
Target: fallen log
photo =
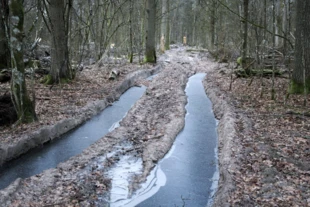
[241, 73]
[114, 74]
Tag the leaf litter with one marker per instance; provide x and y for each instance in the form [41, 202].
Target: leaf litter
[274, 160]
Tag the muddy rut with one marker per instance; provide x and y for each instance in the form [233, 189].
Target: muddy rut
[147, 132]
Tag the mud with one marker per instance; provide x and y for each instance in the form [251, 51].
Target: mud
[147, 132]
[9, 151]
[228, 145]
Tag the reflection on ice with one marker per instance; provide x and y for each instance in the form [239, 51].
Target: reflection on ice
[215, 179]
[121, 174]
[185, 170]
[114, 126]
[119, 193]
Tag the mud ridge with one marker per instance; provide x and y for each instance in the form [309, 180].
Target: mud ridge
[48, 133]
[153, 129]
[147, 132]
[228, 142]
[150, 127]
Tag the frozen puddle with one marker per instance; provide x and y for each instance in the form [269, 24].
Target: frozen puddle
[215, 179]
[121, 174]
[70, 144]
[188, 175]
[155, 180]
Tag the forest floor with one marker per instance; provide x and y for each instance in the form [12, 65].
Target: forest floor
[271, 154]
[58, 102]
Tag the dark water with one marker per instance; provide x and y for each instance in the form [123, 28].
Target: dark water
[72, 143]
[188, 175]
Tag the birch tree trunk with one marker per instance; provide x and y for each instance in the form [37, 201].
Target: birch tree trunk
[150, 52]
[23, 105]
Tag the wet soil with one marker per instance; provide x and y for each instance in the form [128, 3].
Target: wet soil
[190, 168]
[59, 102]
[68, 107]
[149, 128]
[263, 144]
[268, 164]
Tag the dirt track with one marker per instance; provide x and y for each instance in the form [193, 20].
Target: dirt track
[150, 126]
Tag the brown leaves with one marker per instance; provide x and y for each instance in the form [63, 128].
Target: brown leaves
[275, 151]
[65, 100]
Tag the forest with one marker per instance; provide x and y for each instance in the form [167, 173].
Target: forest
[85, 32]
[57, 57]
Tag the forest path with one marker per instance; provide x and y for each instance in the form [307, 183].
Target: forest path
[194, 147]
[147, 132]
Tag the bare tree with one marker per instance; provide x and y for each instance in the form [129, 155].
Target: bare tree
[130, 31]
[301, 75]
[165, 26]
[59, 11]
[167, 29]
[4, 47]
[150, 52]
[245, 32]
[23, 105]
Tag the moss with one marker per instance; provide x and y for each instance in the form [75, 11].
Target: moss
[32, 64]
[29, 114]
[130, 57]
[47, 80]
[64, 80]
[239, 60]
[298, 88]
[150, 57]
[150, 60]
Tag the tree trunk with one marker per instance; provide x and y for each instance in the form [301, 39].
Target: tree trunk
[245, 31]
[301, 75]
[150, 52]
[274, 42]
[167, 36]
[130, 32]
[285, 25]
[4, 47]
[212, 23]
[163, 26]
[24, 106]
[60, 66]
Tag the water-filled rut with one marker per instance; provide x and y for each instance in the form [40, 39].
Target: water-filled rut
[70, 144]
[110, 171]
[188, 174]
